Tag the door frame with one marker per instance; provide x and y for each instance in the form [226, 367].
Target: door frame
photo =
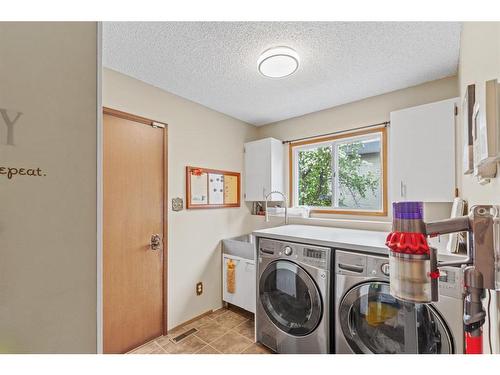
[100, 233]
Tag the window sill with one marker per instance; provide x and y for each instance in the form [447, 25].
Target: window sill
[326, 211]
[381, 224]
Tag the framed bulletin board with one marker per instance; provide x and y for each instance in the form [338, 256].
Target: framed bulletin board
[212, 188]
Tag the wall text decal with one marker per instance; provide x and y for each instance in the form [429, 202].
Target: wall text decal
[11, 172]
[9, 122]
[9, 118]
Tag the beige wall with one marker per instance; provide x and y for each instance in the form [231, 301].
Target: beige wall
[479, 62]
[364, 112]
[48, 223]
[201, 137]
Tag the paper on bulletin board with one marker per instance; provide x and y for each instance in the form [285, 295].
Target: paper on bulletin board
[230, 189]
[199, 187]
[215, 188]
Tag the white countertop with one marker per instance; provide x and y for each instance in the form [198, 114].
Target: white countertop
[336, 238]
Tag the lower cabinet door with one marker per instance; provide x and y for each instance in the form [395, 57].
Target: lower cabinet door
[244, 292]
[246, 282]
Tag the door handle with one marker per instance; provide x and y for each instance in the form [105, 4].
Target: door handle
[351, 267]
[155, 243]
[270, 252]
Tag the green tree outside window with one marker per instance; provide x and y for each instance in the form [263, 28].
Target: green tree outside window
[358, 172]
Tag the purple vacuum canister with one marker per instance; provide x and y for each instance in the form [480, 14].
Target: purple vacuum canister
[413, 266]
[408, 210]
[408, 217]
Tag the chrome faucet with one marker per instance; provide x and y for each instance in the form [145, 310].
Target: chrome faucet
[285, 201]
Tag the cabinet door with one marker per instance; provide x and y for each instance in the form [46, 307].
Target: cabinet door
[422, 155]
[263, 169]
[244, 295]
[246, 280]
[277, 168]
[257, 170]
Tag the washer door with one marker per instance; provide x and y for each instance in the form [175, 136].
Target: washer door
[290, 298]
[373, 321]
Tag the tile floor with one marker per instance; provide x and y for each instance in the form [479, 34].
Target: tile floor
[225, 331]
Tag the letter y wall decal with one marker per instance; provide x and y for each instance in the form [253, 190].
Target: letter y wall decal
[9, 121]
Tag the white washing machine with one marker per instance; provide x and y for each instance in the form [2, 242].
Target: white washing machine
[370, 320]
[293, 297]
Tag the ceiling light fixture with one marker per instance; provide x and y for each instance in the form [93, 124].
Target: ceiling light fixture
[278, 62]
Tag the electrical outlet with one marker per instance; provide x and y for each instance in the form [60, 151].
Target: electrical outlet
[199, 288]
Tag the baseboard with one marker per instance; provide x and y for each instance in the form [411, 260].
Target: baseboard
[190, 321]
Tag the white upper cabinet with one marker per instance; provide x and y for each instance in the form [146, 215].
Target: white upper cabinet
[422, 152]
[263, 169]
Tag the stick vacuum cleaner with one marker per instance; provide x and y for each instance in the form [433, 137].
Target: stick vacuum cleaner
[414, 269]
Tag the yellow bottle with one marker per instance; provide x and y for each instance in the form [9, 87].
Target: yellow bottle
[231, 276]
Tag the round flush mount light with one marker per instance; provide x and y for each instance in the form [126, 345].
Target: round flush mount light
[278, 62]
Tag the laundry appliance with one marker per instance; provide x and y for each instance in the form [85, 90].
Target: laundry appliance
[370, 320]
[294, 302]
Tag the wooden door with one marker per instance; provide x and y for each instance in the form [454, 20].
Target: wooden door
[134, 169]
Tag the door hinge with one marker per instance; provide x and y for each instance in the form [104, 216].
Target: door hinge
[157, 125]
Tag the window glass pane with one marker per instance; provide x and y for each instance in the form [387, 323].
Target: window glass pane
[315, 176]
[359, 174]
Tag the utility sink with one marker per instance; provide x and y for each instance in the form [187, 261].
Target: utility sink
[241, 246]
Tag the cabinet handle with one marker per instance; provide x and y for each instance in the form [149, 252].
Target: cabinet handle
[401, 189]
[264, 192]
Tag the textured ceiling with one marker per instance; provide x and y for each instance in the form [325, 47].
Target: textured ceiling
[215, 63]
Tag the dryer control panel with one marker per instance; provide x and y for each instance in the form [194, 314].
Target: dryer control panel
[451, 282]
[312, 255]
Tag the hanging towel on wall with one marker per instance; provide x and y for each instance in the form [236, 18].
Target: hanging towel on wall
[231, 276]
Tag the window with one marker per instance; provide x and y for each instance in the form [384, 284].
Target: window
[343, 174]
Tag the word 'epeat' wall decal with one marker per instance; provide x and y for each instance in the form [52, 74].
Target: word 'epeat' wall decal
[10, 172]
